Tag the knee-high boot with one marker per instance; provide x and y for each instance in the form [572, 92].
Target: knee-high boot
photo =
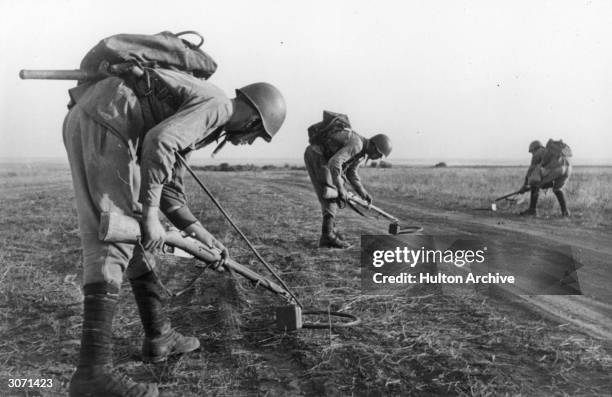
[562, 203]
[161, 340]
[328, 237]
[533, 202]
[95, 376]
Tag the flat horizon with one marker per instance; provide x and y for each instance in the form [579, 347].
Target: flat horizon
[451, 162]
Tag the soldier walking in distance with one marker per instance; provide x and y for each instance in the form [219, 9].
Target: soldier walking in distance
[122, 137]
[550, 168]
[335, 152]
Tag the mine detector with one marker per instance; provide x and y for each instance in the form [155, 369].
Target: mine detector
[360, 205]
[121, 228]
[509, 197]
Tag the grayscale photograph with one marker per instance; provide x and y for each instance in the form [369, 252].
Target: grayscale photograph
[322, 198]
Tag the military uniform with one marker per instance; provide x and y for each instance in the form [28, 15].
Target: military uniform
[120, 160]
[121, 138]
[547, 171]
[340, 154]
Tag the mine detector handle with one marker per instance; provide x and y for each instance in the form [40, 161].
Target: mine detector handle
[125, 229]
[81, 75]
[363, 203]
[520, 191]
[76, 74]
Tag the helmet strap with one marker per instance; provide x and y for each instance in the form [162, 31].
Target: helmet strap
[220, 145]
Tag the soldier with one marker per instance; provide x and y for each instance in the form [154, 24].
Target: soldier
[336, 151]
[121, 136]
[550, 168]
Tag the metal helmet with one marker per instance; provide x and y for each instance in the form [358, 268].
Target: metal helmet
[269, 103]
[535, 145]
[382, 143]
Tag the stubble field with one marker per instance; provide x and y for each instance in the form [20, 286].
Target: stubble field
[420, 343]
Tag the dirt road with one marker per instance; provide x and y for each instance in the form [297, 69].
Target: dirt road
[590, 312]
[418, 344]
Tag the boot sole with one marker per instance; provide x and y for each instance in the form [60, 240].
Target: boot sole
[161, 359]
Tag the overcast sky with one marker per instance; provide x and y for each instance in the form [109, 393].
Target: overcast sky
[444, 79]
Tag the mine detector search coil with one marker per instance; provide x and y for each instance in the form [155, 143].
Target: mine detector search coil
[493, 206]
[355, 202]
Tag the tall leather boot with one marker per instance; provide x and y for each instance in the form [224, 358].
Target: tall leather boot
[533, 202]
[339, 235]
[161, 340]
[95, 376]
[328, 238]
[562, 203]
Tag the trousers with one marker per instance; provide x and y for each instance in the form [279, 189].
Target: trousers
[320, 176]
[106, 178]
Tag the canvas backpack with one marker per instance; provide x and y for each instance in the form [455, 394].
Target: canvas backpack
[162, 50]
[332, 122]
[556, 150]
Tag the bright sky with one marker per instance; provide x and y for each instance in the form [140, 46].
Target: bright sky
[444, 79]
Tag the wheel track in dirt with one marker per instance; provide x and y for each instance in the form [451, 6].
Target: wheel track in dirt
[590, 312]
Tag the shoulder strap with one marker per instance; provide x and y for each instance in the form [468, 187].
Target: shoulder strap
[356, 157]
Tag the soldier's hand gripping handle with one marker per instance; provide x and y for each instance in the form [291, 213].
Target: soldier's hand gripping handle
[153, 232]
[197, 231]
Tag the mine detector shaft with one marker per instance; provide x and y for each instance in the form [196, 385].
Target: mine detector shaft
[507, 196]
[124, 229]
[356, 202]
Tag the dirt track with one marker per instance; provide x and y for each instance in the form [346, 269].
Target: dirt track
[420, 345]
[590, 312]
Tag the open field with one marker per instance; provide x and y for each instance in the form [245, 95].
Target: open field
[420, 343]
[589, 190]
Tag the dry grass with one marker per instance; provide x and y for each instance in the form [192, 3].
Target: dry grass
[589, 189]
[424, 343]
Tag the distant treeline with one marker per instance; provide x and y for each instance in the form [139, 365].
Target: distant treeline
[226, 167]
[381, 164]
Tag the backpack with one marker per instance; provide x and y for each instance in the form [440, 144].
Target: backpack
[332, 123]
[555, 150]
[164, 50]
